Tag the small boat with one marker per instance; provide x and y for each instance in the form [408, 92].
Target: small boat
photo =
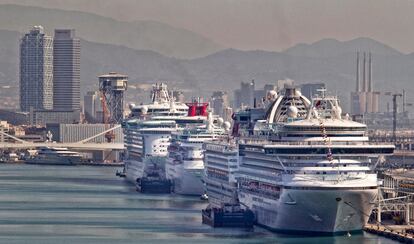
[204, 197]
[120, 173]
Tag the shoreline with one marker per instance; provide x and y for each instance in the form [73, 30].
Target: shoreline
[79, 164]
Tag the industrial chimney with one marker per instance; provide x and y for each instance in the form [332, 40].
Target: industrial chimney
[358, 87]
[370, 88]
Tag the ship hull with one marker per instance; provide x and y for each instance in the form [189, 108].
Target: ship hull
[134, 170]
[220, 192]
[185, 182]
[313, 211]
[54, 161]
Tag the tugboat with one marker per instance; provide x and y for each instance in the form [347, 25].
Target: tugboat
[229, 215]
[154, 181]
[121, 173]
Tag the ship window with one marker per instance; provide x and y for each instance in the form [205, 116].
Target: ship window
[324, 173]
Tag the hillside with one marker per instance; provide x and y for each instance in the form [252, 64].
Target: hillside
[224, 70]
[141, 35]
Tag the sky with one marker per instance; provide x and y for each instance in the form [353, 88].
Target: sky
[263, 24]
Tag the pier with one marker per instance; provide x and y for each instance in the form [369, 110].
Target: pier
[395, 232]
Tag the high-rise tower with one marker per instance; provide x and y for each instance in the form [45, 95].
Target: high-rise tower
[66, 70]
[36, 70]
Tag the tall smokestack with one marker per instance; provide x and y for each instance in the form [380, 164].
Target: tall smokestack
[370, 88]
[358, 87]
[364, 80]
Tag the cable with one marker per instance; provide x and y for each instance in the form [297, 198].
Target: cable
[368, 215]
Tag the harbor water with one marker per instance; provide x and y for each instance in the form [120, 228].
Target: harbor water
[85, 204]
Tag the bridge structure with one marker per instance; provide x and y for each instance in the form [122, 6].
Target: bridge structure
[403, 140]
[84, 144]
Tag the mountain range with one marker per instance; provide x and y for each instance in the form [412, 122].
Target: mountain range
[328, 60]
[141, 35]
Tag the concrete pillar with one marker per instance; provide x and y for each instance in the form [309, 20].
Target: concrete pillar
[379, 214]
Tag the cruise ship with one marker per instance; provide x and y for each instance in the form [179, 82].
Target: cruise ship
[307, 169]
[148, 132]
[221, 159]
[185, 164]
[221, 162]
[162, 104]
[146, 143]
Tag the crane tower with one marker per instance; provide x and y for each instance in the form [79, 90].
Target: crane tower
[112, 87]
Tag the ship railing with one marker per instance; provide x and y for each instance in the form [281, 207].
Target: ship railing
[264, 141]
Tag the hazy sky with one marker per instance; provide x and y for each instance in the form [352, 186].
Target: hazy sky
[264, 24]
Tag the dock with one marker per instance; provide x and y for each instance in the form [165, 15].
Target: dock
[395, 232]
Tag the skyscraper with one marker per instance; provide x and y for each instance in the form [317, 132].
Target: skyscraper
[36, 70]
[311, 89]
[219, 102]
[66, 70]
[92, 106]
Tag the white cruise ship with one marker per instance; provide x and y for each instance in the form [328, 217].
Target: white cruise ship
[222, 156]
[162, 104]
[185, 160]
[146, 143]
[221, 161]
[311, 175]
[148, 131]
[306, 168]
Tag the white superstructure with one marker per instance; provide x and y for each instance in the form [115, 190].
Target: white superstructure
[55, 156]
[310, 169]
[185, 161]
[148, 131]
[221, 160]
[162, 104]
[146, 143]
[311, 175]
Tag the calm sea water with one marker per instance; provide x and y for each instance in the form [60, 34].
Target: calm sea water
[59, 204]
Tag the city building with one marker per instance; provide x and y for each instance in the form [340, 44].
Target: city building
[245, 95]
[311, 89]
[227, 114]
[14, 117]
[364, 99]
[248, 96]
[92, 108]
[282, 83]
[4, 128]
[66, 70]
[219, 102]
[36, 70]
[43, 117]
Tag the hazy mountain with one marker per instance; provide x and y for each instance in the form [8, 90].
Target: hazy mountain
[224, 70]
[332, 47]
[329, 61]
[142, 35]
